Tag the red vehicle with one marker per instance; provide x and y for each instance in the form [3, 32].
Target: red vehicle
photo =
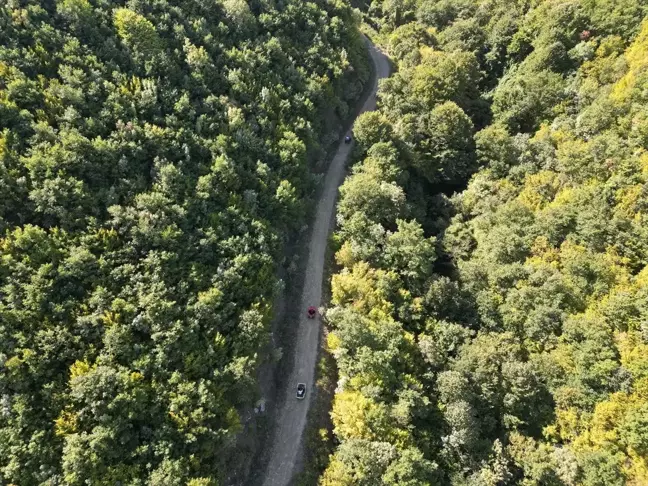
[312, 312]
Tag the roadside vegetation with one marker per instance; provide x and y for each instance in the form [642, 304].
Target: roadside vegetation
[154, 159]
[490, 318]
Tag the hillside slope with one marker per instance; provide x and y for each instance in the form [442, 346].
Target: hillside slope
[489, 314]
[154, 158]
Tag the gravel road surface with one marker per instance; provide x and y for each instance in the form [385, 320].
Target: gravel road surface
[287, 441]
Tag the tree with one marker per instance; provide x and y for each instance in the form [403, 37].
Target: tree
[371, 128]
[500, 332]
[602, 467]
[497, 150]
[523, 100]
[443, 76]
[153, 163]
[137, 33]
[442, 143]
[406, 40]
[411, 469]
[398, 12]
[410, 254]
[359, 462]
[380, 201]
[238, 11]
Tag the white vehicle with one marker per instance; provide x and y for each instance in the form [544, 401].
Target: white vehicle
[301, 391]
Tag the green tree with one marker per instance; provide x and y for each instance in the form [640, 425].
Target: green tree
[137, 33]
[410, 254]
[442, 143]
[371, 128]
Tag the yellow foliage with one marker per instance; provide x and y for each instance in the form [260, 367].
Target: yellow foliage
[564, 197]
[358, 417]
[337, 474]
[607, 416]
[505, 189]
[568, 423]
[640, 388]
[13, 363]
[80, 368]
[603, 430]
[609, 264]
[349, 415]
[5, 70]
[344, 256]
[66, 424]
[634, 354]
[107, 236]
[136, 31]
[362, 287]
[637, 469]
[201, 482]
[641, 279]
[130, 86]
[410, 338]
[181, 421]
[27, 354]
[156, 130]
[544, 133]
[211, 297]
[637, 58]
[604, 68]
[136, 376]
[630, 199]
[558, 137]
[110, 318]
[540, 189]
[637, 54]
[643, 162]
[332, 341]
[570, 251]
[564, 358]
[542, 251]
[622, 89]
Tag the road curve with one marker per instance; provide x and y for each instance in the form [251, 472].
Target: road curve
[291, 418]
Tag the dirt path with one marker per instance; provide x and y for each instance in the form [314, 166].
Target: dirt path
[287, 440]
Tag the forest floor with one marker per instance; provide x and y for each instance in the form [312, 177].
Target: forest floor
[292, 415]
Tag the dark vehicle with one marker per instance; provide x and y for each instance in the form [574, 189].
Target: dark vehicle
[312, 312]
[347, 139]
[301, 391]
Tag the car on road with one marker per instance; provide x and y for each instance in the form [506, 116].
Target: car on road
[347, 139]
[312, 312]
[301, 391]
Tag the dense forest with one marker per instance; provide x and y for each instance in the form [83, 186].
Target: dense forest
[155, 156]
[489, 314]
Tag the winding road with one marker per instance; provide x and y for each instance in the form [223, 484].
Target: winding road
[287, 441]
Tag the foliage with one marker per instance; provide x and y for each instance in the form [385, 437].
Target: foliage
[498, 336]
[153, 159]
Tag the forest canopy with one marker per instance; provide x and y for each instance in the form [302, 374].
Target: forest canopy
[154, 158]
[489, 314]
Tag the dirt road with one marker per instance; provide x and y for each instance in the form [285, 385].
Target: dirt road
[287, 440]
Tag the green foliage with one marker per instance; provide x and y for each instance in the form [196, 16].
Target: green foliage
[616, 17]
[406, 41]
[498, 336]
[522, 101]
[153, 161]
[442, 144]
[137, 33]
[371, 128]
